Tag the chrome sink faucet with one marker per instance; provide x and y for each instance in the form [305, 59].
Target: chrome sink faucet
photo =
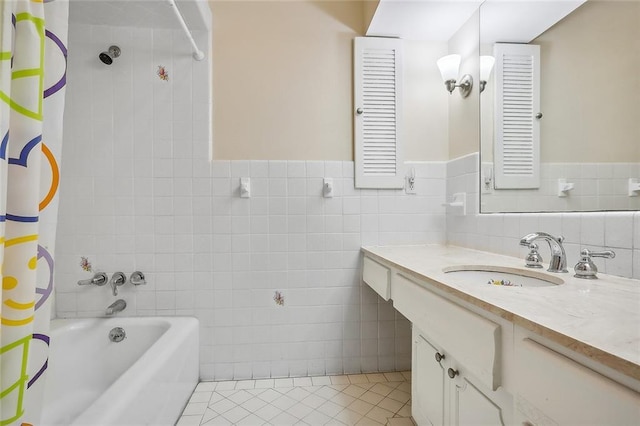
[117, 306]
[558, 262]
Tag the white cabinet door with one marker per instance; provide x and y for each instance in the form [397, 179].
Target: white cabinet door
[552, 386]
[470, 406]
[428, 384]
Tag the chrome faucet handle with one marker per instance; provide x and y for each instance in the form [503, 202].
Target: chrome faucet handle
[533, 259]
[117, 279]
[137, 278]
[99, 279]
[585, 268]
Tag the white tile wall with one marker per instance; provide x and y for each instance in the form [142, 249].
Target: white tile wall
[138, 193]
[597, 186]
[500, 233]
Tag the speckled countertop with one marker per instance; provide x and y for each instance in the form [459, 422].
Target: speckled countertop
[597, 318]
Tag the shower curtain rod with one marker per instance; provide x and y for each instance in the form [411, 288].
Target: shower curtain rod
[198, 55]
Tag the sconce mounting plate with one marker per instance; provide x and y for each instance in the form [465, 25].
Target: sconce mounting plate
[466, 83]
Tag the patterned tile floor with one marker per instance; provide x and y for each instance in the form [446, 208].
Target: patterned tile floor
[362, 399]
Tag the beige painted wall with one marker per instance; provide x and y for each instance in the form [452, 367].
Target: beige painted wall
[283, 82]
[590, 87]
[425, 106]
[464, 123]
[282, 79]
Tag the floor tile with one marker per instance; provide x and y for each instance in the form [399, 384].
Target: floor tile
[399, 395]
[381, 389]
[284, 419]
[370, 399]
[284, 402]
[245, 384]
[298, 394]
[253, 404]
[206, 387]
[354, 391]
[251, 420]
[200, 397]
[264, 384]
[349, 416]
[401, 421]
[321, 380]
[358, 378]
[360, 407]
[236, 414]
[302, 381]
[269, 395]
[300, 411]
[329, 408]
[316, 418]
[391, 405]
[222, 406]
[268, 412]
[376, 378]
[283, 383]
[379, 414]
[195, 408]
[339, 380]
[394, 377]
[313, 401]
[228, 385]
[240, 397]
[189, 421]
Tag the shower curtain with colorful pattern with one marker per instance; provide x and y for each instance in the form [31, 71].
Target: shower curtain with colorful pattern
[33, 37]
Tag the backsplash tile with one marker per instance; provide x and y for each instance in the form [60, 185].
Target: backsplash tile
[501, 232]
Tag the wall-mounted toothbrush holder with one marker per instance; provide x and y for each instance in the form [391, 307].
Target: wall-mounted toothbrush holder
[564, 187]
[634, 187]
[458, 203]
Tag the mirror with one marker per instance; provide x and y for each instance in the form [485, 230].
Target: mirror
[589, 131]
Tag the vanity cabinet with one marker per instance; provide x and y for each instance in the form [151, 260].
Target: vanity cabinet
[478, 360]
[553, 389]
[446, 393]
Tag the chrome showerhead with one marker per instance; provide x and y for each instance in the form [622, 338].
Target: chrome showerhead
[108, 57]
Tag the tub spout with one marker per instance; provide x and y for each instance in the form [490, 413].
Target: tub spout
[117, 306]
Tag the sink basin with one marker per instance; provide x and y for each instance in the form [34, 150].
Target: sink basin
[502, 276]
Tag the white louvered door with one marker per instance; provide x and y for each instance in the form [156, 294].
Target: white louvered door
[517, 127]
[377, 83]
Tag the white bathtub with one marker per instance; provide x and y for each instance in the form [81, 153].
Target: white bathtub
[146, 379]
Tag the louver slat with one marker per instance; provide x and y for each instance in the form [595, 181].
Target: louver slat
[376, 95]
[517, 147]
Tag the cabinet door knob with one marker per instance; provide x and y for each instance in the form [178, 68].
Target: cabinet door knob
[452, 373]
[439, 356]
[359, 111]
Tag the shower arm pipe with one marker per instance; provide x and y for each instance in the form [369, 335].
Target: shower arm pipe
[198, 55]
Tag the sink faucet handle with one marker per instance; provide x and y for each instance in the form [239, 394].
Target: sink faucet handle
[609, 254]
[585, 268]
[533, 259]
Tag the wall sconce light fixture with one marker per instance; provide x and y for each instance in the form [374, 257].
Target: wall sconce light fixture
[449, 66]
[486, 66]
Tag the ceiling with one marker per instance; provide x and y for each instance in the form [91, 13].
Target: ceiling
[516, 21]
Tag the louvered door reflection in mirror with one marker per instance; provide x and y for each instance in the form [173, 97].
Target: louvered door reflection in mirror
[517, 128]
